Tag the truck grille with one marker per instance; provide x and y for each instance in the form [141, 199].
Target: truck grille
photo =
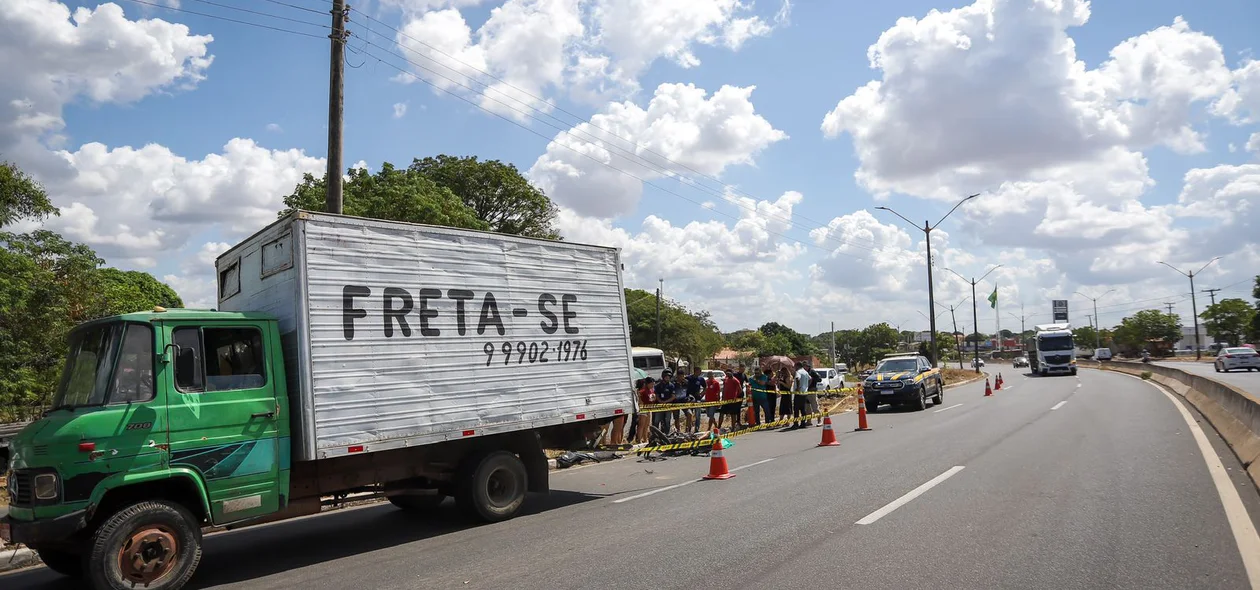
[1058, 359]
[21, 488]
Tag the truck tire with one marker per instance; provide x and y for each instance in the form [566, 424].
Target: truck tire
[62, 562]
[920, 402]
[491, 487]
[417, 503]
[153, 544]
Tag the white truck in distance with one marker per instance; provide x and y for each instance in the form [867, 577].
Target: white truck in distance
[1053, 350]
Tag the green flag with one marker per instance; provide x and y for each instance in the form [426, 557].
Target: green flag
[993, 298]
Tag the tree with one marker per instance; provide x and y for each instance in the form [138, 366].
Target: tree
[48, 285]
[1146, 326]
[1085, 336]
[1229, 320]
[496, 192]
[126, 291]
[877, 341]
[392, 194]
[21, 197]
[684, 334]
[798, 344]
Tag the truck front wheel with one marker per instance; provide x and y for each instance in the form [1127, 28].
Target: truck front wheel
[153, 544]
[492, 487]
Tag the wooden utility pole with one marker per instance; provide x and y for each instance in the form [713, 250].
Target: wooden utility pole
[336, 105]
[1211, 293]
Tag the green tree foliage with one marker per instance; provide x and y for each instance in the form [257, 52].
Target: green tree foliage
[496, 192]
[392, 194]
[798, 344]
[1229, 320]
[1138, 331]
[685, 334]
[876, 341]
[1084, 336]
[21, 197]
[48, 285]
[126, 291]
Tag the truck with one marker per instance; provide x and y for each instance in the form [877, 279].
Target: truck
[345, 355]
[1053, 351]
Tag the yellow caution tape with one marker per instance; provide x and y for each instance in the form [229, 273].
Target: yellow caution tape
[708, 441]
[653, 408]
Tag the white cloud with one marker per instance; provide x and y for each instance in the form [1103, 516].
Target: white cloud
[594, 51]
[274, 128]
[1253, 142]
[1241, 103]
[129, 202]
[400, 109]
[96, 55]
[1018, 99]
[1230, 195]
[681, 127]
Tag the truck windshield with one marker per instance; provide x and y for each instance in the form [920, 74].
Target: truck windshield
[898, 366]
[1053, 343]
[85, 379]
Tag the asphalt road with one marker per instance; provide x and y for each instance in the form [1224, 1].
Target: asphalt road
[1058, 482]
[1248, 381]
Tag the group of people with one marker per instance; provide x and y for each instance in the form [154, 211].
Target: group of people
[792, 393]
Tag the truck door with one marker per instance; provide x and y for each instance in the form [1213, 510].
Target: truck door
[224, 420]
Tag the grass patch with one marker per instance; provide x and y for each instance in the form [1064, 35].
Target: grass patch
[1146, 375]
[958, 375]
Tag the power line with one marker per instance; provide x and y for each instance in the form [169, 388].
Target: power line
[580, 153]
[319, 12]
[231, 20]
[632, 155]
[266, 14]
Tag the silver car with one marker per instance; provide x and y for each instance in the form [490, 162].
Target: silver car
[1239, 357]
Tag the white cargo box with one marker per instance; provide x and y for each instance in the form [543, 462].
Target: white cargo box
[398, 334]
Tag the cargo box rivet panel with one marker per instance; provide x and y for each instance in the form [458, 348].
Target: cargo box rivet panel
[419, 334]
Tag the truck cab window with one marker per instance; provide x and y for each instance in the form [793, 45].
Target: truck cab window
[228, 359]
[133, 377]
[233, 359]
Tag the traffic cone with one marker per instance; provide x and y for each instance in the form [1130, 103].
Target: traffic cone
[752, 413]
[988, 391]
[861, 411]
[829, 435]
[998, 382]
[717, 462]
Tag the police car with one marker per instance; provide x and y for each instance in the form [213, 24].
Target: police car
[904, 379]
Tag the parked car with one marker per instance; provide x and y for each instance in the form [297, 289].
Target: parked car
[977, 363]
[1020, 361]
[1102, 354]
[831, 378]
[1239, 357]
[905, 379]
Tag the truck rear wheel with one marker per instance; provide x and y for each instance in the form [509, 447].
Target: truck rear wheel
[492, 487]
[62, 562]
[153, 544]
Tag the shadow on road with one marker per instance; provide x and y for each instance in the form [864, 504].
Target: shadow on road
[240, 556]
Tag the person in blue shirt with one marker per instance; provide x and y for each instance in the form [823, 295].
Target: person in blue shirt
[763, 408]
[666, 393]
[695, 393]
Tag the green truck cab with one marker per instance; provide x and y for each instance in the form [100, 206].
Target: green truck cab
[163, 422]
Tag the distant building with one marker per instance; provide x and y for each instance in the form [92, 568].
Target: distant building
[1187, 338]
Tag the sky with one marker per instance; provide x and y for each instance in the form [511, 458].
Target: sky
[736, 152]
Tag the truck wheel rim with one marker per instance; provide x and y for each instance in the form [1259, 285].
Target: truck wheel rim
[148, 554]
[501, 487]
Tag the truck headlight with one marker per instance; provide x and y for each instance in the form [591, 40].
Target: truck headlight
[46, 486]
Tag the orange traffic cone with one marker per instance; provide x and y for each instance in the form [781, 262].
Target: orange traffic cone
[717, 462]
[988, 391]
[861, 411]
[829, 435]
[752, 413]
[998, 382]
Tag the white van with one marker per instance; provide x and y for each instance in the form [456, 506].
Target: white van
[1102, 354]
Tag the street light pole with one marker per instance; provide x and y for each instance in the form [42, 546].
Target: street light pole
[975, 321]
[927, 238]
[1194, 306]
[1097, 338]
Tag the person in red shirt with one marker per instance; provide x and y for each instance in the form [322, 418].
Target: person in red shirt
[732, 391]
[647, 397]
[712, 393]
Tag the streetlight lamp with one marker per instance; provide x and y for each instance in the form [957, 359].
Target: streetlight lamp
[975, 322]
[927, 236]
[1097, 322]
[1194, 307]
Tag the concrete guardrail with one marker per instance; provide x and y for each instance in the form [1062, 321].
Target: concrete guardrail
[1234, 413]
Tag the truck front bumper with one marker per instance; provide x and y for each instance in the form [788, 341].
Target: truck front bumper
[46, 531]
